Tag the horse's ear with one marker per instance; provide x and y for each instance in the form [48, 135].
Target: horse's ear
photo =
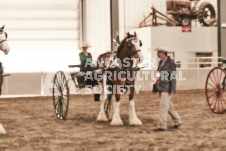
[2, 27]
[135, 34]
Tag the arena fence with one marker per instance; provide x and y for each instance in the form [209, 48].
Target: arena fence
[40, 83]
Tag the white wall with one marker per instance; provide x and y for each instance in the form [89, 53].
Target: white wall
[201, 39]
[42, 35]
[30, 23]
[98, 26]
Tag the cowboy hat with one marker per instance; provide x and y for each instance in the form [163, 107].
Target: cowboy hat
[162, 49]
[85, 44]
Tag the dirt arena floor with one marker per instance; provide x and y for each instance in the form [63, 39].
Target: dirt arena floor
[31, 124]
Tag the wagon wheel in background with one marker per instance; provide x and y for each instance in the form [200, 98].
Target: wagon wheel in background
[186, 21]
[182, 20]
[60, 95]
[206, 14]
[215, 90]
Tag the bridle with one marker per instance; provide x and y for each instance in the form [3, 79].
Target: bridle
[1, 32]
[129, 44]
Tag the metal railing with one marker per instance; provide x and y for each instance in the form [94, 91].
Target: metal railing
[199, 62]
[185, 63]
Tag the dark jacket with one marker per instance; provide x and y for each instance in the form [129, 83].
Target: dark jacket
[167, 82]
[86, 62]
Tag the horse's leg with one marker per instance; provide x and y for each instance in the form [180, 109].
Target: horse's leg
[116, 120]
[2, 130]
[133, 120]
[102, 116]
[1, 82]
[112, 107]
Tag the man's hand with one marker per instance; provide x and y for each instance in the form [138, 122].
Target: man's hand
[171, 94]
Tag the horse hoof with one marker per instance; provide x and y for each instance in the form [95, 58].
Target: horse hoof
[102, 118]
[135, 122]
[2, 130]
[116, 121]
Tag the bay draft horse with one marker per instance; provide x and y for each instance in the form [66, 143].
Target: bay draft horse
[5, 48]
[129, 49]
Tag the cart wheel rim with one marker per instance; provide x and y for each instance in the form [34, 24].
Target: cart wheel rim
[215, 90]
[60, 95]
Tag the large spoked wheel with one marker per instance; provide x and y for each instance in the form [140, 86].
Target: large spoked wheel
[215, 90]
[60, 95]
[182, 20]
[206, 14]
[107, 106]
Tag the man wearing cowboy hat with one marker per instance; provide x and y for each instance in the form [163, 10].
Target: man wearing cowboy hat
[166, 85]
[85, 58]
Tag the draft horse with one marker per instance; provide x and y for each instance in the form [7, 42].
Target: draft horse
[121, 74]
[5, 48]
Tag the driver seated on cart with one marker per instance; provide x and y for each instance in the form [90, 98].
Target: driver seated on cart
[85, 63]
[85, 58]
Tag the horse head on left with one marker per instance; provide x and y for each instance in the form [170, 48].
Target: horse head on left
[3, 41]
[5, 48]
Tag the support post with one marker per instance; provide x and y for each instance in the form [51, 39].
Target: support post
[114, 15]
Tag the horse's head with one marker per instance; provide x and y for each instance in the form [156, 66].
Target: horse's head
[133, 44]
[3, 41]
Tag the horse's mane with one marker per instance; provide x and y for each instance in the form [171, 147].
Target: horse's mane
[104, 54]
[121, 45]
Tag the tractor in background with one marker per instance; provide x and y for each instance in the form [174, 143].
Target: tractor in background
[184, 11]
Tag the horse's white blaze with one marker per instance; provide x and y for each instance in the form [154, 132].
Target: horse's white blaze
[102, 115]
[2, 130]
[136, 44]
[133, 120]
[4, 45]
[116, 116]
[5, 48]
[141, 57]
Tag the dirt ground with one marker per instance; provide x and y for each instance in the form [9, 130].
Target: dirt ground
[31, 124]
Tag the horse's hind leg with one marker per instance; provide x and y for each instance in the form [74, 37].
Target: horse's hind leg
[113, 101]
[102, 116]
[133, 120]
[116, 120]
[1, 82]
